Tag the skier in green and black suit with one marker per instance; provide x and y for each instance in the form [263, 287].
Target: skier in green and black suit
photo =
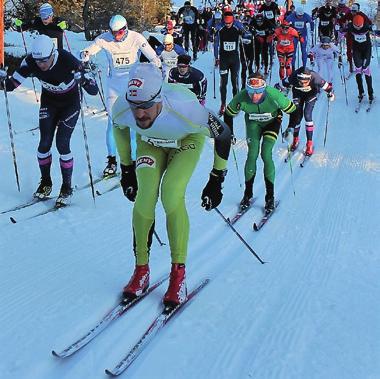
[263, 108]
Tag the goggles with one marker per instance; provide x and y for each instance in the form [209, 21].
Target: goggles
[182, 65]
[145, 104]
[255, 85]
[285, 27]
[119, 33]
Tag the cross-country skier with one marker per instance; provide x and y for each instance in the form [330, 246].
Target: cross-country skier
[122, 47]
[327, 16]
[226, 53]
[168, 52]
[171, 127]
[361, 52]
[324, 54]
[188, 17]
[263, 106]
[285, 36]
[46, 23]
[306, 84]
[190, 77]
[299, 21]
[59, 73]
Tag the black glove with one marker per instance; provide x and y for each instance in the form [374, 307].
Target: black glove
[129, 181]
[212, 193]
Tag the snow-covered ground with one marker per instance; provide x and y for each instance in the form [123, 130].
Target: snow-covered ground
[311, 312]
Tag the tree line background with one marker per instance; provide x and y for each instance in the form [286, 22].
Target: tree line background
[92, 16]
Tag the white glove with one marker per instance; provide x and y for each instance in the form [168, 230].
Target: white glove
[331, 96]
[84, 56]
[3, 74]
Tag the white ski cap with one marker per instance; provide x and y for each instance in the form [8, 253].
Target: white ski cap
[168, 39]
[145, 82]
[43, 47]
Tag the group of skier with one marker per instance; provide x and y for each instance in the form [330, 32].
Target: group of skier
[156, 105]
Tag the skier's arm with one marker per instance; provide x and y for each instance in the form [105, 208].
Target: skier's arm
[203, 88]
[283, 102]
[123, 143]
[148, 51]
[18, 77]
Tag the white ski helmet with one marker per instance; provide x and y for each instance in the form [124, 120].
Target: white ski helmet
[168, 39]
[43, 47]
[117, 23]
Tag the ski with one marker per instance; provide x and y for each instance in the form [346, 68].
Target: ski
[368, 109]
[26, 205]
[240, 212]
[305, 159]
[290, 155]
[115, 186]
[358, 106]
[121, 308]
[27, 130]
[265, 218]
[158, 323]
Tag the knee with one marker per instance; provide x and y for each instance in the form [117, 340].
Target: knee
[172, 196]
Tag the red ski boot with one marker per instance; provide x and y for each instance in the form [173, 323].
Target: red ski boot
[138, 283]
[296, 141]
[309, 148]
[177, 292]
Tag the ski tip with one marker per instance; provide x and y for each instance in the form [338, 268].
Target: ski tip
[255, 228]
[13, 220]
[55, 354]
[109, 372]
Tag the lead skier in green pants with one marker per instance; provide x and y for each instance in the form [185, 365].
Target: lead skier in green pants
[263, 106]
[171, 127]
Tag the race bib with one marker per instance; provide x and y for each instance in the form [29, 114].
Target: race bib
[246, 41]
[260, 117]
[120, 60]
[188, 20]
[285, 42]
[260, 33]
[299, 24]
[269, 15]
[229, 46]
[360, 38]
[171, 62]
[325, 23]
[161, 142]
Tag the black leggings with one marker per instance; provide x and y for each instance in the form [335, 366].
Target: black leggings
[63, 119]
[230, 63]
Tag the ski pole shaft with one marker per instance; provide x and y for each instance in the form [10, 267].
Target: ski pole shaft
[327, 122]
[101, 92]
[239, 236]
[158, 238]
[214, 80]
[236, 165]
[26, 52]
[11, 137]
[86, 142]
[67, 41]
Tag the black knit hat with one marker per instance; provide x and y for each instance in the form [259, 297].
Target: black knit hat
[183, 59]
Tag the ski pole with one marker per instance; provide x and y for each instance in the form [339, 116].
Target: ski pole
[158, 238]
[236, 165]
[214, 77]
[345, 85]
[327, 122]
[101, 89]
[26, 52]
[86, 141]
[239, 236]
[11, 136]
[67, 41]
